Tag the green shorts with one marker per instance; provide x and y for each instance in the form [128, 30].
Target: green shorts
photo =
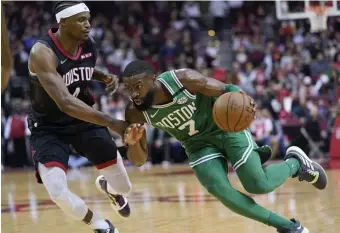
[235, 147]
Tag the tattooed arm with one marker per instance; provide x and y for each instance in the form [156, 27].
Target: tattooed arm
[195, 82]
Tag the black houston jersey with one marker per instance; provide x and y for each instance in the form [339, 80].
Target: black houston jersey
[76, 72]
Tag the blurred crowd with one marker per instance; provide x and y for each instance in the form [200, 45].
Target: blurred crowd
[291, 73]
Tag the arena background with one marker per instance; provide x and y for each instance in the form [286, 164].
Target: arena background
[291, 73]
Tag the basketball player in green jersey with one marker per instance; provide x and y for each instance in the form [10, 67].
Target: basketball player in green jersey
[180, 102]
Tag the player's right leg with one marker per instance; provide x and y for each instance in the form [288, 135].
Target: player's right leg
[246, 156]
[97, 145]
[212, 174]
[50, 156]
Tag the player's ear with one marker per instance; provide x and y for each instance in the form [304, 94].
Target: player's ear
[63, 22]
[154, 77]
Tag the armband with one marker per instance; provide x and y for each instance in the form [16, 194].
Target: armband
[231, 88]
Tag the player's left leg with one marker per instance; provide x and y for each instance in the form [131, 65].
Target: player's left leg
[98, 146]
[212, 174]
[245, 157]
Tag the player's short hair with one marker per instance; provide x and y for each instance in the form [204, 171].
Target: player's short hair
[61, 5]
[138, 67]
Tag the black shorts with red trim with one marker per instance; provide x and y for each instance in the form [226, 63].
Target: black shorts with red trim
[53, 149]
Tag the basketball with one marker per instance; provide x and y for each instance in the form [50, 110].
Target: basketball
[232, 112]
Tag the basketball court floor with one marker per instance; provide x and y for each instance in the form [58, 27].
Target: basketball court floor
[164, 201]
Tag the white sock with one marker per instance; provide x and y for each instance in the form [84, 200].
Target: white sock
[98, 223]
[117, 178]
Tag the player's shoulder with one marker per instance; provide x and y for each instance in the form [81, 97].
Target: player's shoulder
[132, 115]
[187, 73]
[180, 73]
[41, 49]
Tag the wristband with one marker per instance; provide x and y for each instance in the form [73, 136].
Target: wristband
[231, 88]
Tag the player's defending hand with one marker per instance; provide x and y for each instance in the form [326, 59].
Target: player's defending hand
[133, 134]
[112, 83]
[252, 102]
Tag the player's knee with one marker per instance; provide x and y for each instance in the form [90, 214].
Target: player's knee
[56, 189]
[54, 180]
[222, 193]
[258, 187]
[218, 191]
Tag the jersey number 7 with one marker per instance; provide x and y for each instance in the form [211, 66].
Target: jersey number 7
[191, 125]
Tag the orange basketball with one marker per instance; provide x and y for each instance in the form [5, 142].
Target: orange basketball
[233, 112]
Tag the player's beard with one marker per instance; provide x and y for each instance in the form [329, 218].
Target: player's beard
[147, 101]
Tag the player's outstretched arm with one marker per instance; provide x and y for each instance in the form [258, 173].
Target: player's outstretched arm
[137, 151]
[195, 82]
[42, 61]
[6, 61]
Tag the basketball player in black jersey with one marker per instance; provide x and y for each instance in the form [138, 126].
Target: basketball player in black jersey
[62, 66]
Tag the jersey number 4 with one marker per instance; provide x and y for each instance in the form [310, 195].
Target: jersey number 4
[76, 92]
[191, 125]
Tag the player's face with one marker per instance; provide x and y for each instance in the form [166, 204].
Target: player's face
[140, 89]
[78, 26]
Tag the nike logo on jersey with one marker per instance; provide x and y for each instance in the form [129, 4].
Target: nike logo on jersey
[153, 115]
[62, 62]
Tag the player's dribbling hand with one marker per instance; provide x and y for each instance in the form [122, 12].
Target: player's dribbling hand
[112, 83]
[133, 134]
[252, 102]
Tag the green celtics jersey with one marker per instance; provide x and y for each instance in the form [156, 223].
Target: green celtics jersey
[188, 117]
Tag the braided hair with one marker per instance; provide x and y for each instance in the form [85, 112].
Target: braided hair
[61, 5]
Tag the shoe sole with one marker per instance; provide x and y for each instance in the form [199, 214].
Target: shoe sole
[99, 187]
[301, 152]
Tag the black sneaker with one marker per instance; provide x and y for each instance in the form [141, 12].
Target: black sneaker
[111, 229]
[309, 171]
[297, 228]
[118, 202]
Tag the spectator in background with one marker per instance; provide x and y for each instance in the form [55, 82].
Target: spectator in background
[312, 125]
[219, 11]
[16, 130]
[20, 60]
[319, 65]
[279, 64]
[262, 128]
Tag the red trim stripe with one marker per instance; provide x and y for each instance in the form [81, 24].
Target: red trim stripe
[56, 164]
[62, 50]
[106, 164]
